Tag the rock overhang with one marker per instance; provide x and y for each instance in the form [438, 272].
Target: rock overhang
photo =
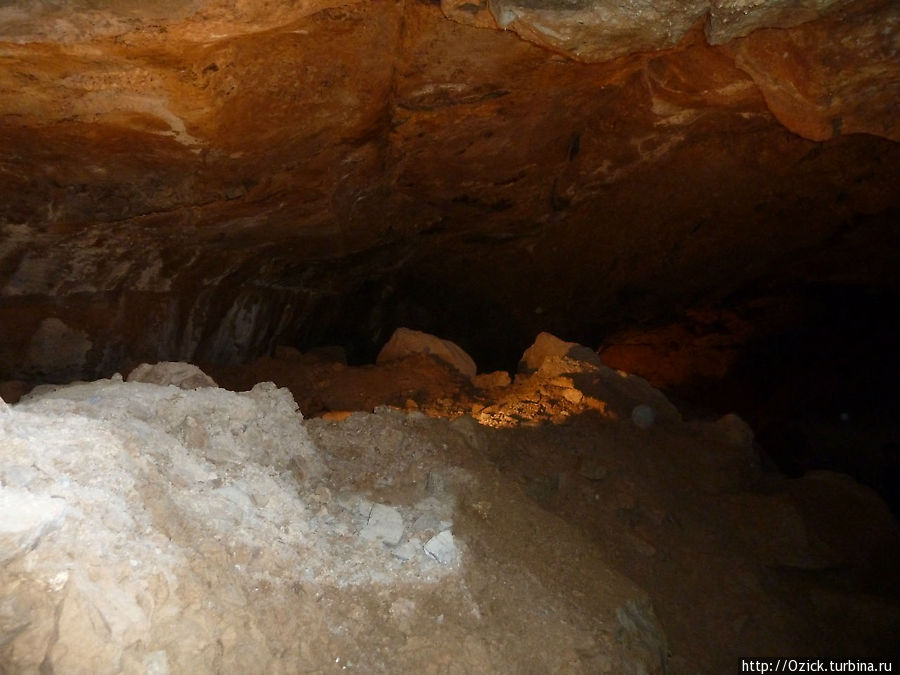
[208, 180]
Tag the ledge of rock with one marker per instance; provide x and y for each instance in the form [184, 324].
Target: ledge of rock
[170, 195]
[840, 75]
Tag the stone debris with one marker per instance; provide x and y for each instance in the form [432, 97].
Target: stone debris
[592, 30]
[559, 380]
[547, 345]
[25, 518]
[153, 529]
[136, 502]
[182, 375]
[408, 549]
[730, 19]
[384, 524]
[442, 547]
[405, 342]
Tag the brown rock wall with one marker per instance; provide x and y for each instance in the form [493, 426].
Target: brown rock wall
[205, 181]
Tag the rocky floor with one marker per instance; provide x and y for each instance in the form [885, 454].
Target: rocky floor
[566, 520]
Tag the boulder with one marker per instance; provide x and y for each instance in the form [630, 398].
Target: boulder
[405, 342]
[547, 345]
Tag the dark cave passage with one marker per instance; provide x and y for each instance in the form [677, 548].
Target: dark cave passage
[505, 336]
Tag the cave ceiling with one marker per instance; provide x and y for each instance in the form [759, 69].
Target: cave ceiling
[206, 179]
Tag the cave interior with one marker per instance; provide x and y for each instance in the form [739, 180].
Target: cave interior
[703, 193]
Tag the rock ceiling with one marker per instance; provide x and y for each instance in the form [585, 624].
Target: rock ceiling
[193, 179]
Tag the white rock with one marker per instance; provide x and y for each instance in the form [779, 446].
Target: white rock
[407, 550]
[385, 525]
[24, 519]
[441, 547]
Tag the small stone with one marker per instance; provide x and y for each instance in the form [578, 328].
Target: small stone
[407, 550]
[441, 547]
[385, 524]
[573, 396]
[643, 416]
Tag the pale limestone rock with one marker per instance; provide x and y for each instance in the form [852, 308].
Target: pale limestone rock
[182, 375]
[408, 549]
[405, 342]
[25, 518]
[599, 30]
[730, 19]
[385, 524]
[441, 547]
